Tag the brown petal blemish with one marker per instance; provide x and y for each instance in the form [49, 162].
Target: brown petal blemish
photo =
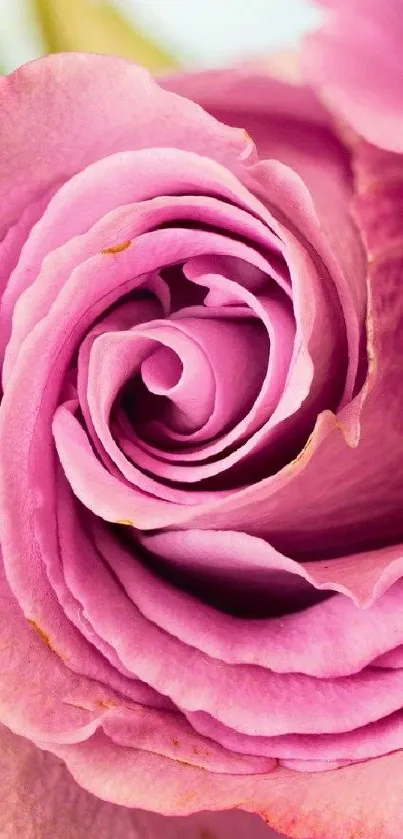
[185, 800]
[106, 704]
[122, 246]
[200, 752]
[45, 638]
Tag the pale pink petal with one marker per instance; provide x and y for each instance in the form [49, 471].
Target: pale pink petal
[95, 105]
[354, 62]
[40, 798]
[286, 121]
[348, 637]
[297, 804]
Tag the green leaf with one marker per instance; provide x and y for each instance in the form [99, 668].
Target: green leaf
[96, 26]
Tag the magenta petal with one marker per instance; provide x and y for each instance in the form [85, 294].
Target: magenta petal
[348, 637]
[357, 698]
[374, 740]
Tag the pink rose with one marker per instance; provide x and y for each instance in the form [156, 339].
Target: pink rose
[200, 445]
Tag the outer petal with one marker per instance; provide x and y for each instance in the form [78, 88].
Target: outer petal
[364, 801]
[95, 105]
[41, 800]
[11, 244]
[355, 61]
[286, 121]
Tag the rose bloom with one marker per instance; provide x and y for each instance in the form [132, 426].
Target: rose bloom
[201, 477]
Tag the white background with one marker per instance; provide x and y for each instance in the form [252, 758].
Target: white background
[199, 32]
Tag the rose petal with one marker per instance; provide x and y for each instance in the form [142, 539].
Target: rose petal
[348, 637]
[354, 61]
[206, 348]
[289, 125]
[119, 179]
[287, 122]
[359, 699]
[39, 794]
[95, 105]
[373, 740]
[16, 235]
[45, 709]
[297, 804]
